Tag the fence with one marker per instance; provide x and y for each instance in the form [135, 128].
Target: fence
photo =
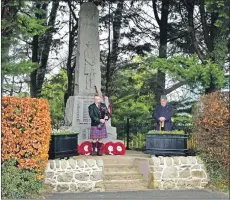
[133, 133]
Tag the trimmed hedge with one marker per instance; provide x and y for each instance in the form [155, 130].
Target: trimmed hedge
[26, 132]
[19, 183]
[211, 131]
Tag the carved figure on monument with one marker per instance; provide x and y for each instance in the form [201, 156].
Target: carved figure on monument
[90, 68]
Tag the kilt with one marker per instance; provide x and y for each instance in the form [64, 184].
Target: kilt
[96, 133]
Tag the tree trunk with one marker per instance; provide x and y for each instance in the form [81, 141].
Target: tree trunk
[163, 24]
[71, 63]
[114, 51]
[210, 33]
[108, 57]
[42, 49]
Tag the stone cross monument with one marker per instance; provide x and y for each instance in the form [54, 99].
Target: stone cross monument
[87, 75]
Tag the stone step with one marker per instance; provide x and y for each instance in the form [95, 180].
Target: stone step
[127, 190]
[110, 168]
[122, 176]
[139, 155]
[125, 185]
[119, 160]
[133, 152]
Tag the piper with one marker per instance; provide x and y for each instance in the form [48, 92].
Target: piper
[98, 113]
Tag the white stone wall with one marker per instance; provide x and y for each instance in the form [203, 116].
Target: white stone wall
[75, 175]
[178, 173]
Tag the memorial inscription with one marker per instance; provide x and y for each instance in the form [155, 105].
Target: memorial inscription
[82, 109]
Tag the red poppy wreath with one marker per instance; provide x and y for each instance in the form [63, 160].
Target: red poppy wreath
[119, 148]
[109, 148]
[85, 148]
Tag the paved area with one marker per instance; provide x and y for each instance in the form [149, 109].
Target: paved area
[145, 195]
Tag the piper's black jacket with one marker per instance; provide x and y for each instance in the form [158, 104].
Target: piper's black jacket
[97, 114]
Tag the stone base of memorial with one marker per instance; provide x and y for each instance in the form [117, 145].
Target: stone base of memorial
[162, 143]
[63, 144]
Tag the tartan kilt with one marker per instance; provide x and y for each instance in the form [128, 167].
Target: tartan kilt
[96, 133]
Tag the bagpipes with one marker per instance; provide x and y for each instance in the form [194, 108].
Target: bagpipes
[108, 104]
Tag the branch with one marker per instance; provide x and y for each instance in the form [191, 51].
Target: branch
[176, 86]
[182, 34]
[204, 24]
[155, 12]
[71, 10]
[190, 9]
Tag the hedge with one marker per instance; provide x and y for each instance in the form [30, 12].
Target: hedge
[19, 183]
[26, 132]
[211, 119]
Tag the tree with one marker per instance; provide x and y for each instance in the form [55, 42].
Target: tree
[53, 90]
[133, 97]
[41, 45]
[16, 25]
[187, 70]
[71, 60]
[163, 24]
[215, 21]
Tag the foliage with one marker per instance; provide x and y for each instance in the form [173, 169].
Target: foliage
[222, 8]
[132, 95]
[217, 173]
[211, 119]
[54, 90]
[19, 24]
[182, 119]
[176, 132]
[23, 67]
[138, 141]
[188, 69]
[62, 132]
[18, 183]
[31, 25]
[26, 132]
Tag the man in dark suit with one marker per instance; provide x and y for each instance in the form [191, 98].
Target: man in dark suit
[98, 113]
[163, 114]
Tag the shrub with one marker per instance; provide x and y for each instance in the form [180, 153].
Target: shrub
[211, 131]
[166, 132]
[62, 132]
[18, 183]
[26, 132]
[138, 141]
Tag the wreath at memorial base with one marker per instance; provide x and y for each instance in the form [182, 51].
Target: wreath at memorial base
[119, 148]
[85, 148]
[109, 148]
